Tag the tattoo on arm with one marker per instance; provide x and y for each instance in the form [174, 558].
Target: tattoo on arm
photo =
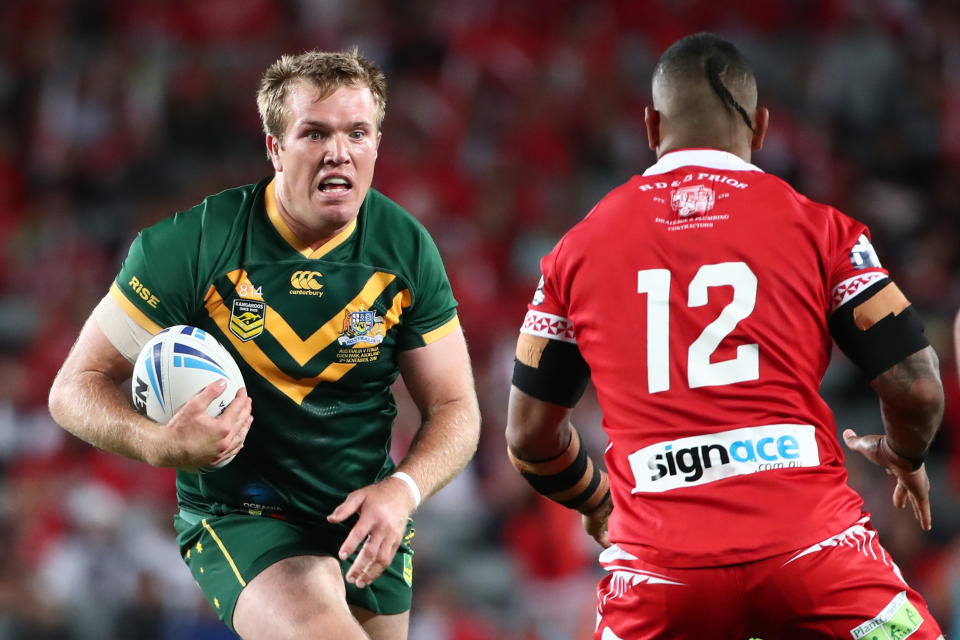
[900, 379]
[911, 398]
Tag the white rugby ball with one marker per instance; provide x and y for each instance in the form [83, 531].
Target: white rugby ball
[177, 364]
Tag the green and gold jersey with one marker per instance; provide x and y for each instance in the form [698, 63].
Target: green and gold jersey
[316, 334]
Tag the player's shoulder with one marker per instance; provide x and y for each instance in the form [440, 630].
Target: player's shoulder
[214, 218]
[381, 210]
[617, 202]
[816, 212]
[621, 195]
[386, 227]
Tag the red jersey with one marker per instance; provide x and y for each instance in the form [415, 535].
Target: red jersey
[699, 293]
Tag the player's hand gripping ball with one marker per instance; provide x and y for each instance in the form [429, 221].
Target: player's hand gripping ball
[177, 364]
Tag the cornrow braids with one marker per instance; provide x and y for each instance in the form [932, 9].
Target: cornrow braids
[715, 67]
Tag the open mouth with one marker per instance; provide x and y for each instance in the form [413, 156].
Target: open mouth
[335, 185]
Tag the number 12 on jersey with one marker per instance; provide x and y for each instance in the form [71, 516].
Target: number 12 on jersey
[700, 371]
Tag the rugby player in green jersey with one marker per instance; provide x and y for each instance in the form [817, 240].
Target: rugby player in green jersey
[324, 291]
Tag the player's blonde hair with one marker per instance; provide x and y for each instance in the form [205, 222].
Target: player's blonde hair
[326, 70]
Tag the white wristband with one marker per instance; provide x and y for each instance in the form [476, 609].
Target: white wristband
[410, 482]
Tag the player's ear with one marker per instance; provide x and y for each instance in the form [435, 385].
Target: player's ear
[651, 118]
[273, 151]
[761, 120]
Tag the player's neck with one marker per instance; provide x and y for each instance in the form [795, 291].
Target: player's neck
[741, 152]
[676, 140]
[309, 236]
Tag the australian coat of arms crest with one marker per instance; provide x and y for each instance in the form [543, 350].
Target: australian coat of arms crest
[363, 328]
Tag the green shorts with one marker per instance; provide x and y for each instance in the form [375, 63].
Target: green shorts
[225, 552]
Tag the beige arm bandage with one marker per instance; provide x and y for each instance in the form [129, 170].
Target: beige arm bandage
[121, 330]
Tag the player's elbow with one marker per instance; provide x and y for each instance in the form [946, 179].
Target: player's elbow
[516, 431]
[57, 399]
[925, 399]
[462, 415]
[472, 419]
[536, 429]
[513, 435]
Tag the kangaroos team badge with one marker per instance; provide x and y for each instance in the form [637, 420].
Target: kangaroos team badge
[246, 318]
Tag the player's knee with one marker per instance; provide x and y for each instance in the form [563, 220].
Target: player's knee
[307, 618]
[333, 623]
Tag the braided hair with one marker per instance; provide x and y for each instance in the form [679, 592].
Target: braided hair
[715, 68]
[707, 53]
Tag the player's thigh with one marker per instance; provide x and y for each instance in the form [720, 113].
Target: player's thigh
[380, 626]
[846, 586]
[226, 554]
[297, 597]
[644, 602]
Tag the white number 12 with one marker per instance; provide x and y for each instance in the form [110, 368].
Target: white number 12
[700, 371]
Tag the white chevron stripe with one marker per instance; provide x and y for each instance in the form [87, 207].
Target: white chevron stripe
[622, 579]
[614, 552]
[857, 537]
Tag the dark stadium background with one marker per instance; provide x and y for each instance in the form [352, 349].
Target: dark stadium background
[507, 120]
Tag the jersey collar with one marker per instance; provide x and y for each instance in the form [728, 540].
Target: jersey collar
[709, 158]
[273, 213]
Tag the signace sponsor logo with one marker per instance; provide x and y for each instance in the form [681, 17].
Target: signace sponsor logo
[697, 460]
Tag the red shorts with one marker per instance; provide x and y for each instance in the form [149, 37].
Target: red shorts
[844, 587]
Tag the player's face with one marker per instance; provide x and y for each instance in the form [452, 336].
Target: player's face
[325, 164]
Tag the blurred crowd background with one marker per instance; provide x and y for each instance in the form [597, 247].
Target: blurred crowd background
[506, 121]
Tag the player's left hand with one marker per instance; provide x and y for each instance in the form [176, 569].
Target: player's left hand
[595, 522]
[912, 485]
[383, 510]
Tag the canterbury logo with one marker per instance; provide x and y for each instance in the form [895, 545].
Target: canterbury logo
[306, 280]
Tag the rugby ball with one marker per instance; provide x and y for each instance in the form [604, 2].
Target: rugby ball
[177, 364]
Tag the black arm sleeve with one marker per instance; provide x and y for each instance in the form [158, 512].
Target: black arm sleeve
[561, 377]
[883, 345]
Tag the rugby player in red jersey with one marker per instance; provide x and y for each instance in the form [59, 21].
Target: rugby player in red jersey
[701, 298]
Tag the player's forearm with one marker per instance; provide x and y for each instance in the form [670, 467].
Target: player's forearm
[444, 444]
[92, 407]
[911, 401]
[546, 449]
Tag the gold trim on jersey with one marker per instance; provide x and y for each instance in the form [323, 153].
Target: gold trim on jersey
[134, 312]
[443, 330]
[273, 213]
[392, 316]
[302, 351]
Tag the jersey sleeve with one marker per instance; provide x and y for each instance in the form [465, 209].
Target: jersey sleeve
[853, 265]
[547, 311]
[548, 364]
[157, 283]
[433, 310]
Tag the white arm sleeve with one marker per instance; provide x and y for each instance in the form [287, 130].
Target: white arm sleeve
[121, 330]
